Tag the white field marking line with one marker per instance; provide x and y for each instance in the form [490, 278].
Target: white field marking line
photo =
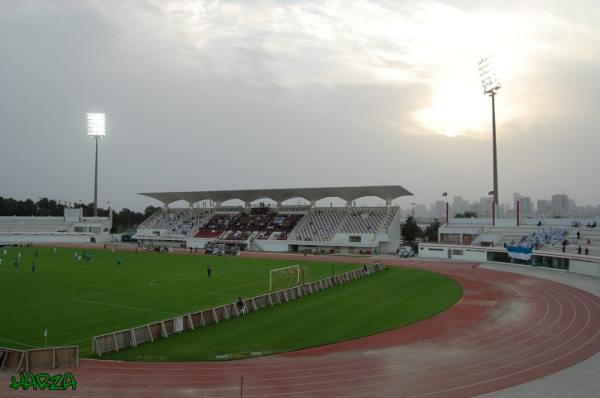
[313, 364]
[542, 353]
[79, 341]
[422, 368]
[148, 284]
[122, 306]
[363, 369]
[499, 331]
[546, 362]
[215, 292]
[17, 342]
[485, 335]
[339, 390]
[453, 369]
[520, 331]
[471, 364]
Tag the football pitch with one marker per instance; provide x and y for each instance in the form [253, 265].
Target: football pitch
[76, 299]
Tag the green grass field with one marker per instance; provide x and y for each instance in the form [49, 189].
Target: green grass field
[77, 300]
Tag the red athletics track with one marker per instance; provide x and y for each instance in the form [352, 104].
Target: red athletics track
[506, 330]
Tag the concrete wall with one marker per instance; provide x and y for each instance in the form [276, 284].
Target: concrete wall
[269, 245]
[588, 266]
[35, 238]
[584, 267]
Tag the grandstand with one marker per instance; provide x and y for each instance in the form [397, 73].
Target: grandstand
[545, 234]
[279, 228]
[73, 227]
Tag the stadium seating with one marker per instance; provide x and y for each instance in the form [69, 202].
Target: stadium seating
[14, 225]
[542, 237]
[367, 221]
[545, 237]
[175, 221]
[259, 223]
[324, 223]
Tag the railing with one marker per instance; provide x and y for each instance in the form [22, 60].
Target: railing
[40, 358]
[116, 341]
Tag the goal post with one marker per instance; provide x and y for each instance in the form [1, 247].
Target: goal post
[285, 277]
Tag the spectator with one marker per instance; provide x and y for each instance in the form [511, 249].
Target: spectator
[587, 251]
[240, 306]
[579, 250]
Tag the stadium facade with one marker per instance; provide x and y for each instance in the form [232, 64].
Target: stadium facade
[278, 228]
[72, 227]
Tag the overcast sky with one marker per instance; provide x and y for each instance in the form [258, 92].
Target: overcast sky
[204, 95]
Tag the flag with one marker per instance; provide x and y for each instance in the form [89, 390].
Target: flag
[46, 332]
[491, 193]
[519, 252]
[444, 193]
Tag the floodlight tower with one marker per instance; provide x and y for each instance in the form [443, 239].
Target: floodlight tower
[96, 128]
[490, 86]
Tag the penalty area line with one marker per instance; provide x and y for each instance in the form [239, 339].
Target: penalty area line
[17, 342]
[122, 306]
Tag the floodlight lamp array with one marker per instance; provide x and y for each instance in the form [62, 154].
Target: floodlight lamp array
[96, 124]
[489, 81]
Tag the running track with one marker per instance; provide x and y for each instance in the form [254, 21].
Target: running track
[506, 330]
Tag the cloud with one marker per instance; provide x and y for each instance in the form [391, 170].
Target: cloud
[221, 94]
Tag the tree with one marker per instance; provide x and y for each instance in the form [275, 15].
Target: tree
[410, 230]
[122, 221]
[431, 232]
[150, 210]
[466, 214]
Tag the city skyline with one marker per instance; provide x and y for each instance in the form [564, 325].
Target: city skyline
[215, 95]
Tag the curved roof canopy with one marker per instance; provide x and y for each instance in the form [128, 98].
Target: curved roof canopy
[385, 192]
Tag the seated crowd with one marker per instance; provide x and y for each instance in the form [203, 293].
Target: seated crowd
[261, 220]
[542, 237]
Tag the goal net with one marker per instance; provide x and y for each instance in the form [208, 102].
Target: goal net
[281, 278]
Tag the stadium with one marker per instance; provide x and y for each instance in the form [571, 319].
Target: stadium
[271, 299]
[259, 224]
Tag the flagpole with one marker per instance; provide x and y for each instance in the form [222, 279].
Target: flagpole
[445, 196]
[447, 213]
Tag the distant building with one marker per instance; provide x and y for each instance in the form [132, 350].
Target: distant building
[421, 211]
[438, 210]
[525, 203]
[544, 208]
[459, 205]
[485, 204]
[560, 205]
[527, 207]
